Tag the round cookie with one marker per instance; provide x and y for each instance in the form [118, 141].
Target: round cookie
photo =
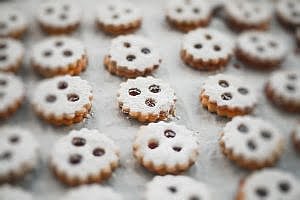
[176, 188]
[165, 148]
[118, 17]
[63, 100]
[84, 156]
[12, 23]
[59, 17]
[18, 153]
[59, 56]
[269, 184]
[248, 15]
[252, 143]
[206, 49]
[8, 192]
[260, 50]
[147, 99]
[186, 15]
[283, 90]
[288, 13]
[92, 192]
[296, 137]
[227, 96]
[11, 55]
[12, 94]
[131, 56]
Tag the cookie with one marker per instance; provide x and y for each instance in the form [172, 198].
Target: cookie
[59, 56]
[165, 148]
[62, 100]
[186, 15]
[11, 55]
[227, 96]
[269, 184]
[92, 192]
[12, 23]
[8, 192]
[83, 157]
[12, 94]
[18, 153]
[206, 49]
[177, 188]
[260, 50]
[251, 143]
[288, 13]
[248, 15]
[146, 99]
[296, 137]
[131, 56]
[283, 90]
[118, 17]
[59, 17]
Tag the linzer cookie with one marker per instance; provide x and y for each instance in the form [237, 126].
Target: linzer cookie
[288, 13]
[59, 56]
[296, 137]
[59, 17]
[12, 23]
[131, 56]
[12, 94]
[177, 188]
[92, 192]
[260, 50]
[165, 148]
[245, 15]
[84, 156]
[269, 184]
[8, 192]
[147, 99]
[11, 55]
[186, 15]
[18, 153]
[118, 17]
[206, 49]
[251, 143]
[228, 96]
[63, 100]
[283, 90]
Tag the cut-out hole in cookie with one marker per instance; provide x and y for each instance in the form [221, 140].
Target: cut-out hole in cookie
[154, 88]
[226, 96]
[111, 8]
[98, 152]
[169, 133]
[2, 26]
[73, 97]
[127, 44]
[59, 43]
[47, 53]
[223, 83]
[179, 10]
[172, 189]
[78, 141]
[261, 192]
[3, 82]
[115, 16]
[208, 36]
[251, 145]
[153, 144]
[3, 46]
[2, 94]
[75, 159]
[217, 48]
[3, 58]
[243, 90]
[145, 50]
[62, 85]
[67, 53]
[284, 186]
[296, 14]
[243, 128]
[6, 155]
[196, 10]
[150, 102]
[292, 77]
[273, 44]
[290, 88]
[177, 149]
[198, 46]
[194, 197]
[63, 16]
[50, 98]
[131, 57]
[128, 11]
[13, 18]
[267, 135]
[134, 91]
[49, 10]
[260, 49]
[254, 39]
[66, 7]
[14, 139]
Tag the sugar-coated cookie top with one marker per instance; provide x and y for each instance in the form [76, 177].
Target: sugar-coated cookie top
[231, 91]
[8, 192]
[252, 138]
[18, 148]
[57, 52]
[11, 90]
[62, 95]
[84, 153]
[146, 95]
[92, 192]
[11, 20]
[286, 83]
[134, 52]
[289, 10]
[271, 184]
[11, 51]
[207, 44]
[118, 12]
[297, 132]
[188, 10]
[262, 45]
[166, 144]
[60, 14]
[176, 188]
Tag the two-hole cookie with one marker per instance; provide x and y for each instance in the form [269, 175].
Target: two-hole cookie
[288, 13]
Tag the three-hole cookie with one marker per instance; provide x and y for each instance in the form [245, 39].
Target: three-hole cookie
[59, 56]
[227, 96]
[84, 156]
[165, 148]
[288, 13]
[131, 56]
[63, 100]
[251, 143]
[146, 99]
[206, 49]
[8, 192]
